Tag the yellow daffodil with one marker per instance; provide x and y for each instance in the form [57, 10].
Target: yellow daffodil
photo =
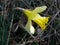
[33, 15]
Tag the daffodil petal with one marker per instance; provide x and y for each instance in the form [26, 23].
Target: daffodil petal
[39, 9]
[29, 27]
[32, 29]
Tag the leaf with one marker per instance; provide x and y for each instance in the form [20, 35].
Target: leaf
[39, 9]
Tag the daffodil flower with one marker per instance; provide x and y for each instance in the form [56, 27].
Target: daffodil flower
[33, 15]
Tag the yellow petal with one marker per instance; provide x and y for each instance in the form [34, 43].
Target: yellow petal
[29, 28]
[39, 9]
[32, 29]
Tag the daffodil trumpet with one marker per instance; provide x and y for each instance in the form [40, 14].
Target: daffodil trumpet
[33, 15]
